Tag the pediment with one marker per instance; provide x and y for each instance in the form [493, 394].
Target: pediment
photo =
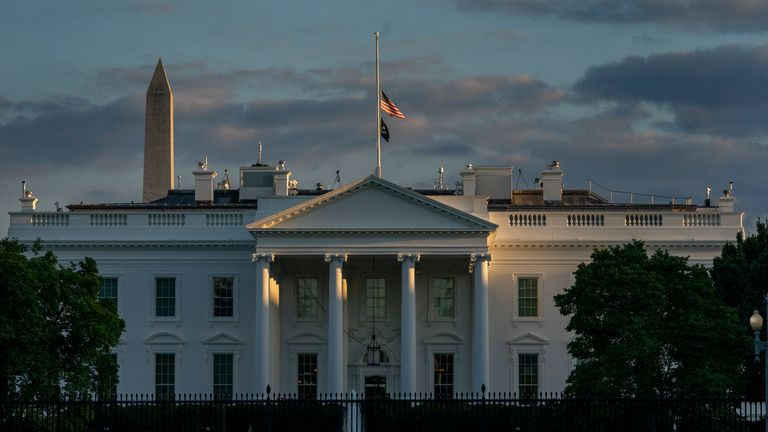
[223, 338]
[164, 338]
[528, 339]
[371, 204]
[305, 338]
[443, 338]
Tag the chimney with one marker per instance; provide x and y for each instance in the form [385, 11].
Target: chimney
[468, 177]
[552, 182]
[282, 178]
[725, 204]
[28, 201]
[204, 183]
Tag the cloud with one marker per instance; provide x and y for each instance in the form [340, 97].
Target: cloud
[719, 15]
[612, 126]
[722, 90]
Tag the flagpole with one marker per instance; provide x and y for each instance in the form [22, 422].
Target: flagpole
[377, 172]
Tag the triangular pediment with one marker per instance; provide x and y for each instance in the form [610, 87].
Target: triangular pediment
[223, 338]
[528, 339]
[372, 204]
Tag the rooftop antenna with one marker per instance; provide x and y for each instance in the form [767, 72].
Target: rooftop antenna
[519, 177]
[440, 182]
[259, 161]
[58, 206]
[337, 181]
[23, 188]
[178, 182]
[225, 180]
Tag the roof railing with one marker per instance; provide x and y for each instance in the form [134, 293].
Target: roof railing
[615, 196]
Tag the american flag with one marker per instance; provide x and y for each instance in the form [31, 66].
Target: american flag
[389, 107]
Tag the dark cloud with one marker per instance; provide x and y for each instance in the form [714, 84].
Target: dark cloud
[325, 119]
[72, 132]
[721, 15]
[723, 90]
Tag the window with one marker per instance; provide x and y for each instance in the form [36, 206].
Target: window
[222, 375]
[528, 373]
[375, 298]
[306, 298]
[108, 290]
[307, 376]
[165, 297]
[223, 297]
[443, 297]
[527, 297]
[443, 376]
[165, 375]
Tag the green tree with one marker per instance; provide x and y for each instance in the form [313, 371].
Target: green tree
[649, 326]
[740, 275]
[55, 334]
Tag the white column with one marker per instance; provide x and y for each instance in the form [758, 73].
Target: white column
[335, 323]
[480, 348]
[261, 318]
[408, 323]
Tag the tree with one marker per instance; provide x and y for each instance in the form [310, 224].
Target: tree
[649, 326]
[56, 336]
[740, 275]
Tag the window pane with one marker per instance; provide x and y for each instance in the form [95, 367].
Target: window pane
[443, 376]
[306, 298]
[375, 298]
[307, 375]
[165, 297]
[108, 290]
[443, 298]
[222, 376]
[528, 297]
[165, 371]
[223, 297]
[528, 373]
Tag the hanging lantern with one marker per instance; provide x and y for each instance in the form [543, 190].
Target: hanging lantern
[374, 352]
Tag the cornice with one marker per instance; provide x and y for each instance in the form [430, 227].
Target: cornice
[119, 244]
[377, 231]
[685, 244]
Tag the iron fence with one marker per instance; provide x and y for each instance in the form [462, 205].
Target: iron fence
[351, 412]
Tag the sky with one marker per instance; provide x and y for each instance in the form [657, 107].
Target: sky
[664, 97]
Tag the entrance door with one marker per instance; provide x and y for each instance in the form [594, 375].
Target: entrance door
[375, 386]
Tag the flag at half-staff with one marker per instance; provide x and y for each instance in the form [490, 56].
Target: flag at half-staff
[384, 131]
[389, 107]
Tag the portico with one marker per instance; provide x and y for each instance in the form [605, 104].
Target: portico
[371, 257]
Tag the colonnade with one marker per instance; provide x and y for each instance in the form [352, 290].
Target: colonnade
[337, 363]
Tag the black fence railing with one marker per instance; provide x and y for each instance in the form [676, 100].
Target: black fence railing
[490, 412]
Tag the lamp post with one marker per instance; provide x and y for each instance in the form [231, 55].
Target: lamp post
[756, 322]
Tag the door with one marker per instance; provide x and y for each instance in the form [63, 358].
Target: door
[375, 386]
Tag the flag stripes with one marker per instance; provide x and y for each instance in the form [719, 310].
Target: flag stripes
[389, 107]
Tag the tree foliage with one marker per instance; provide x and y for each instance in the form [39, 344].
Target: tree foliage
[649, 326]
[740, 275]
[56, 336]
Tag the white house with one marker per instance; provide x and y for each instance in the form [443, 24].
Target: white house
[230, 288]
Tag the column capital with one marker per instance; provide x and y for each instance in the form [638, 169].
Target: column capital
[404, 256]
[256, 257]
[330, 257]
[478, 257]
